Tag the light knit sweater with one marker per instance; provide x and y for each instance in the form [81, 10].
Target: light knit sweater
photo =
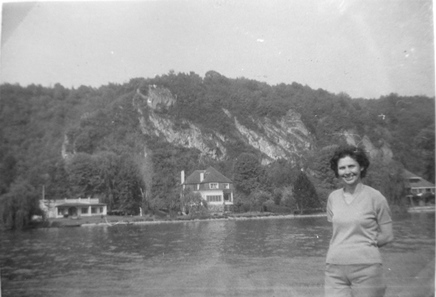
[355, 226]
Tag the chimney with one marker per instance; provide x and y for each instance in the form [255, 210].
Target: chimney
[182, 177]
[201, 176]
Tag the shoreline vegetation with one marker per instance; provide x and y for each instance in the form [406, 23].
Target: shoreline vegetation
[112, 220]
[163, 218]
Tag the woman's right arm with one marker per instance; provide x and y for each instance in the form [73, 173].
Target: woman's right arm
[385, 235]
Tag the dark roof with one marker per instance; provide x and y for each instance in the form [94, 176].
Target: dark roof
[407, 174]
[211, 175]
[415, 181]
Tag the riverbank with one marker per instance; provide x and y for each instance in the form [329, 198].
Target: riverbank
[112, 220]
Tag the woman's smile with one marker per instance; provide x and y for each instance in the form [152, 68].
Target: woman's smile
[349, 170]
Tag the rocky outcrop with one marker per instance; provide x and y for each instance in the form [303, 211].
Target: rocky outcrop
[157, 97]
[381, 151]
[66, 152]
[210, 145]
[285, 138]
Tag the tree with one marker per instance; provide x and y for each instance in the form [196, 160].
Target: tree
[115, 179]
[145, 164]
[85, 175]
[320, 164]
[19, 205]
[127, 184]
[7, 172]
[388, 179]
[247, 173]
[288, 198]
[305, 193]
[108, 169]
[192, 203]
[56, 180]
[321, 173]
[280, 173]
[259, 198]
[425, 142]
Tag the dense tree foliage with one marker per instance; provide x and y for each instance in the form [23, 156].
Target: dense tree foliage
[192, 203]
[247, 174]
[305, 194]
[388, 179]
[88, 142]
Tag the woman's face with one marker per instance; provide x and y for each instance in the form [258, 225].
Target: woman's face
[349, 170]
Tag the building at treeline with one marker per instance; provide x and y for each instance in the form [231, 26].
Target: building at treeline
[80, 207]
[213, 187]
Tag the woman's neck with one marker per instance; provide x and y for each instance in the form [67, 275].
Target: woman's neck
[352, 189]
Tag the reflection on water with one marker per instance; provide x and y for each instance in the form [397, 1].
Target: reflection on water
[73, 253]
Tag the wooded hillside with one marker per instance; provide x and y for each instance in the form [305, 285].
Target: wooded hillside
[91, 142]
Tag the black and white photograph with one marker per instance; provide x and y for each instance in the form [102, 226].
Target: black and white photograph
[190, 148]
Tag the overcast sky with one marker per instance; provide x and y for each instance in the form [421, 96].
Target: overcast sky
[365, 48]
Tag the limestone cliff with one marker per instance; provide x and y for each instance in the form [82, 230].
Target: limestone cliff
[382, 150]
[285, 138]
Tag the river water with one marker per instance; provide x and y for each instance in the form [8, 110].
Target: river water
[254, 257]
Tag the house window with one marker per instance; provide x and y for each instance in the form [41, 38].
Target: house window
[213, 185]
[93, 209]
[101, 209]
[84, 210]
[215, 198]
[226, 186]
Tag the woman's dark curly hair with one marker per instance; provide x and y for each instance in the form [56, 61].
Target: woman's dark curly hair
[353, 152]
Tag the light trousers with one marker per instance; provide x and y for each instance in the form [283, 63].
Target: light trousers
[360, 280]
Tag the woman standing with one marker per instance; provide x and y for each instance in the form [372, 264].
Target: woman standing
[362, 223]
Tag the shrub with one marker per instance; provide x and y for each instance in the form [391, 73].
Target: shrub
[269, 204]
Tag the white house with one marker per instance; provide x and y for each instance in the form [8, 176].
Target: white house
[419, 190]
[214, 187]
[80, 207]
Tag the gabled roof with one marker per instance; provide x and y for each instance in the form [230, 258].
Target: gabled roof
[407, 174]
[415, 181]
[211, 175]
